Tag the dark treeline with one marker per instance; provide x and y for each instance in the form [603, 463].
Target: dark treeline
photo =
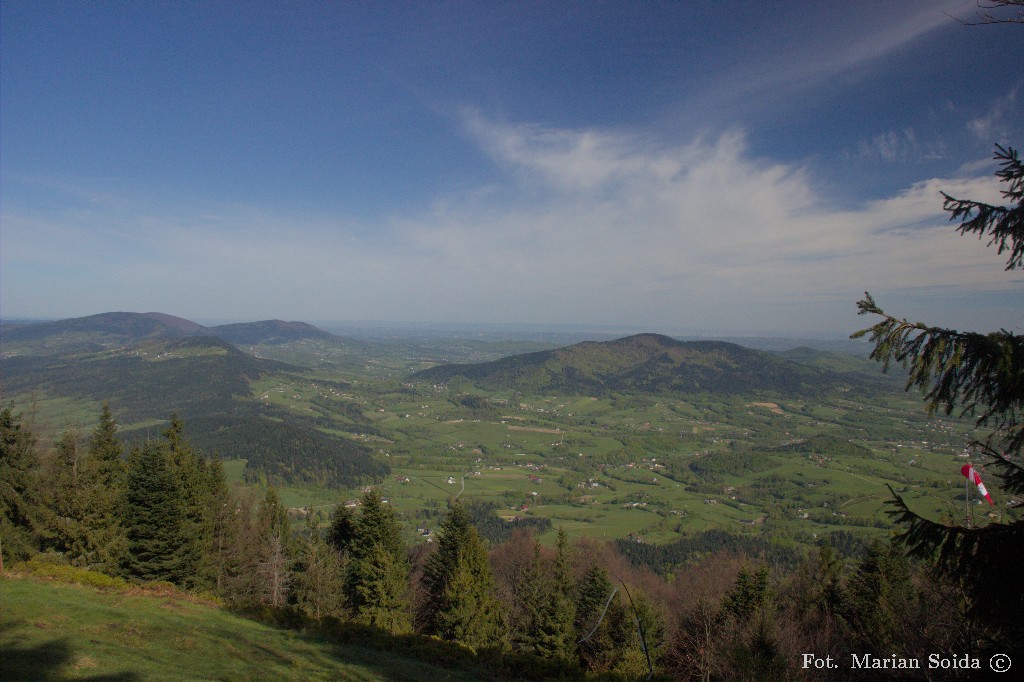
[664, 559]
[137, 386]
[495, 529]
[161, 511]
[203, 377]
[289, 452]
[826, 445]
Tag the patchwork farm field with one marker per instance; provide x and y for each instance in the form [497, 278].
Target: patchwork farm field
[651, 469]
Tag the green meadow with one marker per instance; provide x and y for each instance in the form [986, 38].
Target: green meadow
[57, 631]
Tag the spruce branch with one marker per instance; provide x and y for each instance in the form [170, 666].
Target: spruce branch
[979, 373]
[1004, 225]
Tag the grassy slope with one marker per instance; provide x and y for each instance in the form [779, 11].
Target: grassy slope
[56, 631]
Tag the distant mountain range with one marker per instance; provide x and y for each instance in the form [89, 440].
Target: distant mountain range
[645, 363]
[112, 330]
[147, 366]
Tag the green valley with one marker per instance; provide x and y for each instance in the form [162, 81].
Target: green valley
[645, 437]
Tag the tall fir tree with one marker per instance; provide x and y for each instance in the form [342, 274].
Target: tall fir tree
[67, 499]
[155, 523]
[879, 601]
[103, 490]
[106, 451]
[319, 581]
[242, 551]
[595, 644]
[22, 516]
[86, 487]
[546, 595]
[562, 612]
[197, 503]
[343, 528]
[752, 650]
[529, 590]
[376, 583]
[273, 560]
[224, 527]
[460, 603]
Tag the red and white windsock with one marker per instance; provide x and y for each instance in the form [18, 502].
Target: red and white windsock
[972, 476]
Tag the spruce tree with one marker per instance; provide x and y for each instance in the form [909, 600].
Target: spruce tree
[343, 528]
[68, 500]
[880, 600]
[103, 483]
[154, 521]
[106, 453]
[749, 619]
[86, 486]
[274, 563]
[240, 581]
[225, 527]
[452, 538]
[979, 374]
[563, 601]
[197, 503]
[319, 581]
[531, 589]
[595, 645]
[376, 584]
[460, 603]
[22, 516]
[748, 595]
[546, 595]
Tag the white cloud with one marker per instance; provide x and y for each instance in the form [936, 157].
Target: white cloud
[996, 125]
[900, 146]
[593, 227]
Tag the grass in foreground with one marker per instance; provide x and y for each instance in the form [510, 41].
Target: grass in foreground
[56, 631]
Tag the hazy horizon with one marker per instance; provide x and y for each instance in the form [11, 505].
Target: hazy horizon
[376, 329]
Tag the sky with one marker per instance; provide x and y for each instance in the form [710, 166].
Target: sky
[678, 167]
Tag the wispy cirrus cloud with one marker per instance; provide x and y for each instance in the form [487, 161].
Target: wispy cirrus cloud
[1002, 118]
[779, 66]
[900, 146]
[590, 226]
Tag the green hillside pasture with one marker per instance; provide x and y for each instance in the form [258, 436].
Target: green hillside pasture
[510, 484]
[234, 471]
[56, 631]
[50, 415]
[295, 497]
[289, 393]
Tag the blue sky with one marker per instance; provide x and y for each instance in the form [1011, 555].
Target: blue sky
[698, 167]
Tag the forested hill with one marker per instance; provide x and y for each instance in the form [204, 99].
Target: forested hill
[269, 332]
[95, 332]
[116, 329]
[645, 363]
[191, 376]
[206, 381]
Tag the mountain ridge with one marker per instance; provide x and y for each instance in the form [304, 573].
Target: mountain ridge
[113, 329]
[647, 363]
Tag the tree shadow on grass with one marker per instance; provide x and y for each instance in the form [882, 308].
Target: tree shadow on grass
[48, 661]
